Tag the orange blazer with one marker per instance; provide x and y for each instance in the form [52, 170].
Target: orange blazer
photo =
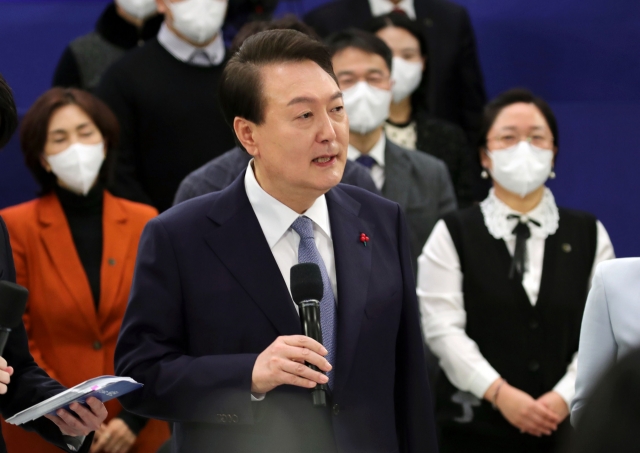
[67, 337]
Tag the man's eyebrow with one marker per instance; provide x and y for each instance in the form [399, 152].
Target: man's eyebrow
[308, 100]
[300, 100]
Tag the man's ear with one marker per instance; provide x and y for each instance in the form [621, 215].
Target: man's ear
[245, 131]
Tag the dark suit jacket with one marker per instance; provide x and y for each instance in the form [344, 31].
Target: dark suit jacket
[421, 185]
[221, 171]
[455, 90]
[208, 297]
[29, 383]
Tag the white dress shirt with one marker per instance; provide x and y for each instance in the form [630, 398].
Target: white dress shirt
[211, 55]
[442, 300]
[275, 220]
[377, 152]
[380, 7]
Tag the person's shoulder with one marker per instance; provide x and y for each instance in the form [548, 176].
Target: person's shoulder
[365, 199]
[437, 126]
[135, 209]
[218, 173]
[136, 59]
[21, 214]
[576, 215]
[420, 160]
[620, 270]
[447, 8]
[189, 213]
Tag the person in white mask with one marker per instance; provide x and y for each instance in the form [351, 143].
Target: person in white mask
[122, 26]
[74, 250]
[409, 123]
[502, 290]
[165, 96]
[417, 181]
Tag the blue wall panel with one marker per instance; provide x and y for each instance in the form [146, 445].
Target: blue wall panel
[583, 56]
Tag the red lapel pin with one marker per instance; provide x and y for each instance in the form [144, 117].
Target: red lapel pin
[364, 239]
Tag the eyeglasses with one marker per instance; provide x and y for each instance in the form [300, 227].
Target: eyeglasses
[540, 140]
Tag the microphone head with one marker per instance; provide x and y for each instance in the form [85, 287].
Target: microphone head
[306, 282]
[13, 301]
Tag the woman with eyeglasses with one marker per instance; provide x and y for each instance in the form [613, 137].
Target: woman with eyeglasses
[502, 290]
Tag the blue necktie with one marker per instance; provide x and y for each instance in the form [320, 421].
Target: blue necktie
[366, 161]
[308, 253]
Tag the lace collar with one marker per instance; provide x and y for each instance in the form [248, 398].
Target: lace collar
[495, 214]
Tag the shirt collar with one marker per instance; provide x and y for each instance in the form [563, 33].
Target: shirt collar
[184, 51]
[381, 7]
[495, 213]
[274, 217]
[377, 152]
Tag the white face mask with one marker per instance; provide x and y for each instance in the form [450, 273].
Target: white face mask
[77, 167]
[367, 107]
[198, 20]
[140, 9]
[407, 76]
[522, 168]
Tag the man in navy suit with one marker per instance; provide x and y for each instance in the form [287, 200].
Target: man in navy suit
[211, 329]
[22, 382]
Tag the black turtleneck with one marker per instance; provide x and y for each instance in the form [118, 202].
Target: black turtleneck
[114, 33]
[84, 215]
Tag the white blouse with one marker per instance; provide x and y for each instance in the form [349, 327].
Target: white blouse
[442, 300]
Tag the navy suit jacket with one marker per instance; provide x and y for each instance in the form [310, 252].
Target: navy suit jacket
[208, 298]
[30, 384]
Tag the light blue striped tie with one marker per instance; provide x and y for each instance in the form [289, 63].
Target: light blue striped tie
[308, 253]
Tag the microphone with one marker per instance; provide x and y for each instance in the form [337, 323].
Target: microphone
[13, 300]
[307, 291]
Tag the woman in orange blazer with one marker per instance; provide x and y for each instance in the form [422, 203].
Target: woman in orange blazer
[75, 249]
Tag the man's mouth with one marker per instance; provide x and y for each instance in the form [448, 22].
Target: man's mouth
[323, 159]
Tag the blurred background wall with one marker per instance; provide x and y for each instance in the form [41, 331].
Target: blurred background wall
[583, 56]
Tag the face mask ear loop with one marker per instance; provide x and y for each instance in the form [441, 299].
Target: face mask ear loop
[484, 174]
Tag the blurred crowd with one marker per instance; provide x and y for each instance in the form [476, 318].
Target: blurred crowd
[133, 126]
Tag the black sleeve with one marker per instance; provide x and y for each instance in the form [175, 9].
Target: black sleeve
[67, 72]
[135, 422]
[30, 384]
[471, 84]
[115, 92]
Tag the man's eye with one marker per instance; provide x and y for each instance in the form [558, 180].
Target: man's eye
[305, 115]
[340, 108]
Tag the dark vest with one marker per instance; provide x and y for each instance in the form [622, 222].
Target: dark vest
[530, 346]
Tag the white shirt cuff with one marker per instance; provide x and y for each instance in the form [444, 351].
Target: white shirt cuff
[482, 379]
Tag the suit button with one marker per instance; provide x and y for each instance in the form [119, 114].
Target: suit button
[97, 345]
[533, 324]
[336, 409]
[534, 366]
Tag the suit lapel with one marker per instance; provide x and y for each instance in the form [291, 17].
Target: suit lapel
[240, 244]
[115, 250]
[353, 270]
[397, 179]
[57, 239]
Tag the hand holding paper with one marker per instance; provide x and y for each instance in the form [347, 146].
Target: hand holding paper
[5, 375]
[84, 422]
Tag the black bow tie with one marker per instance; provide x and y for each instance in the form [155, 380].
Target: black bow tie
[522, 233]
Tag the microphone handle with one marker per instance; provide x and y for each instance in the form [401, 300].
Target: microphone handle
[310, 322]
[4, 336]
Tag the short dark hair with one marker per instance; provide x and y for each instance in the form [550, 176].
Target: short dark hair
[359, 39]
[510, 97]
[241, 85]
[35, 127]
[8, 113]
[400, 20]
[288, 22]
